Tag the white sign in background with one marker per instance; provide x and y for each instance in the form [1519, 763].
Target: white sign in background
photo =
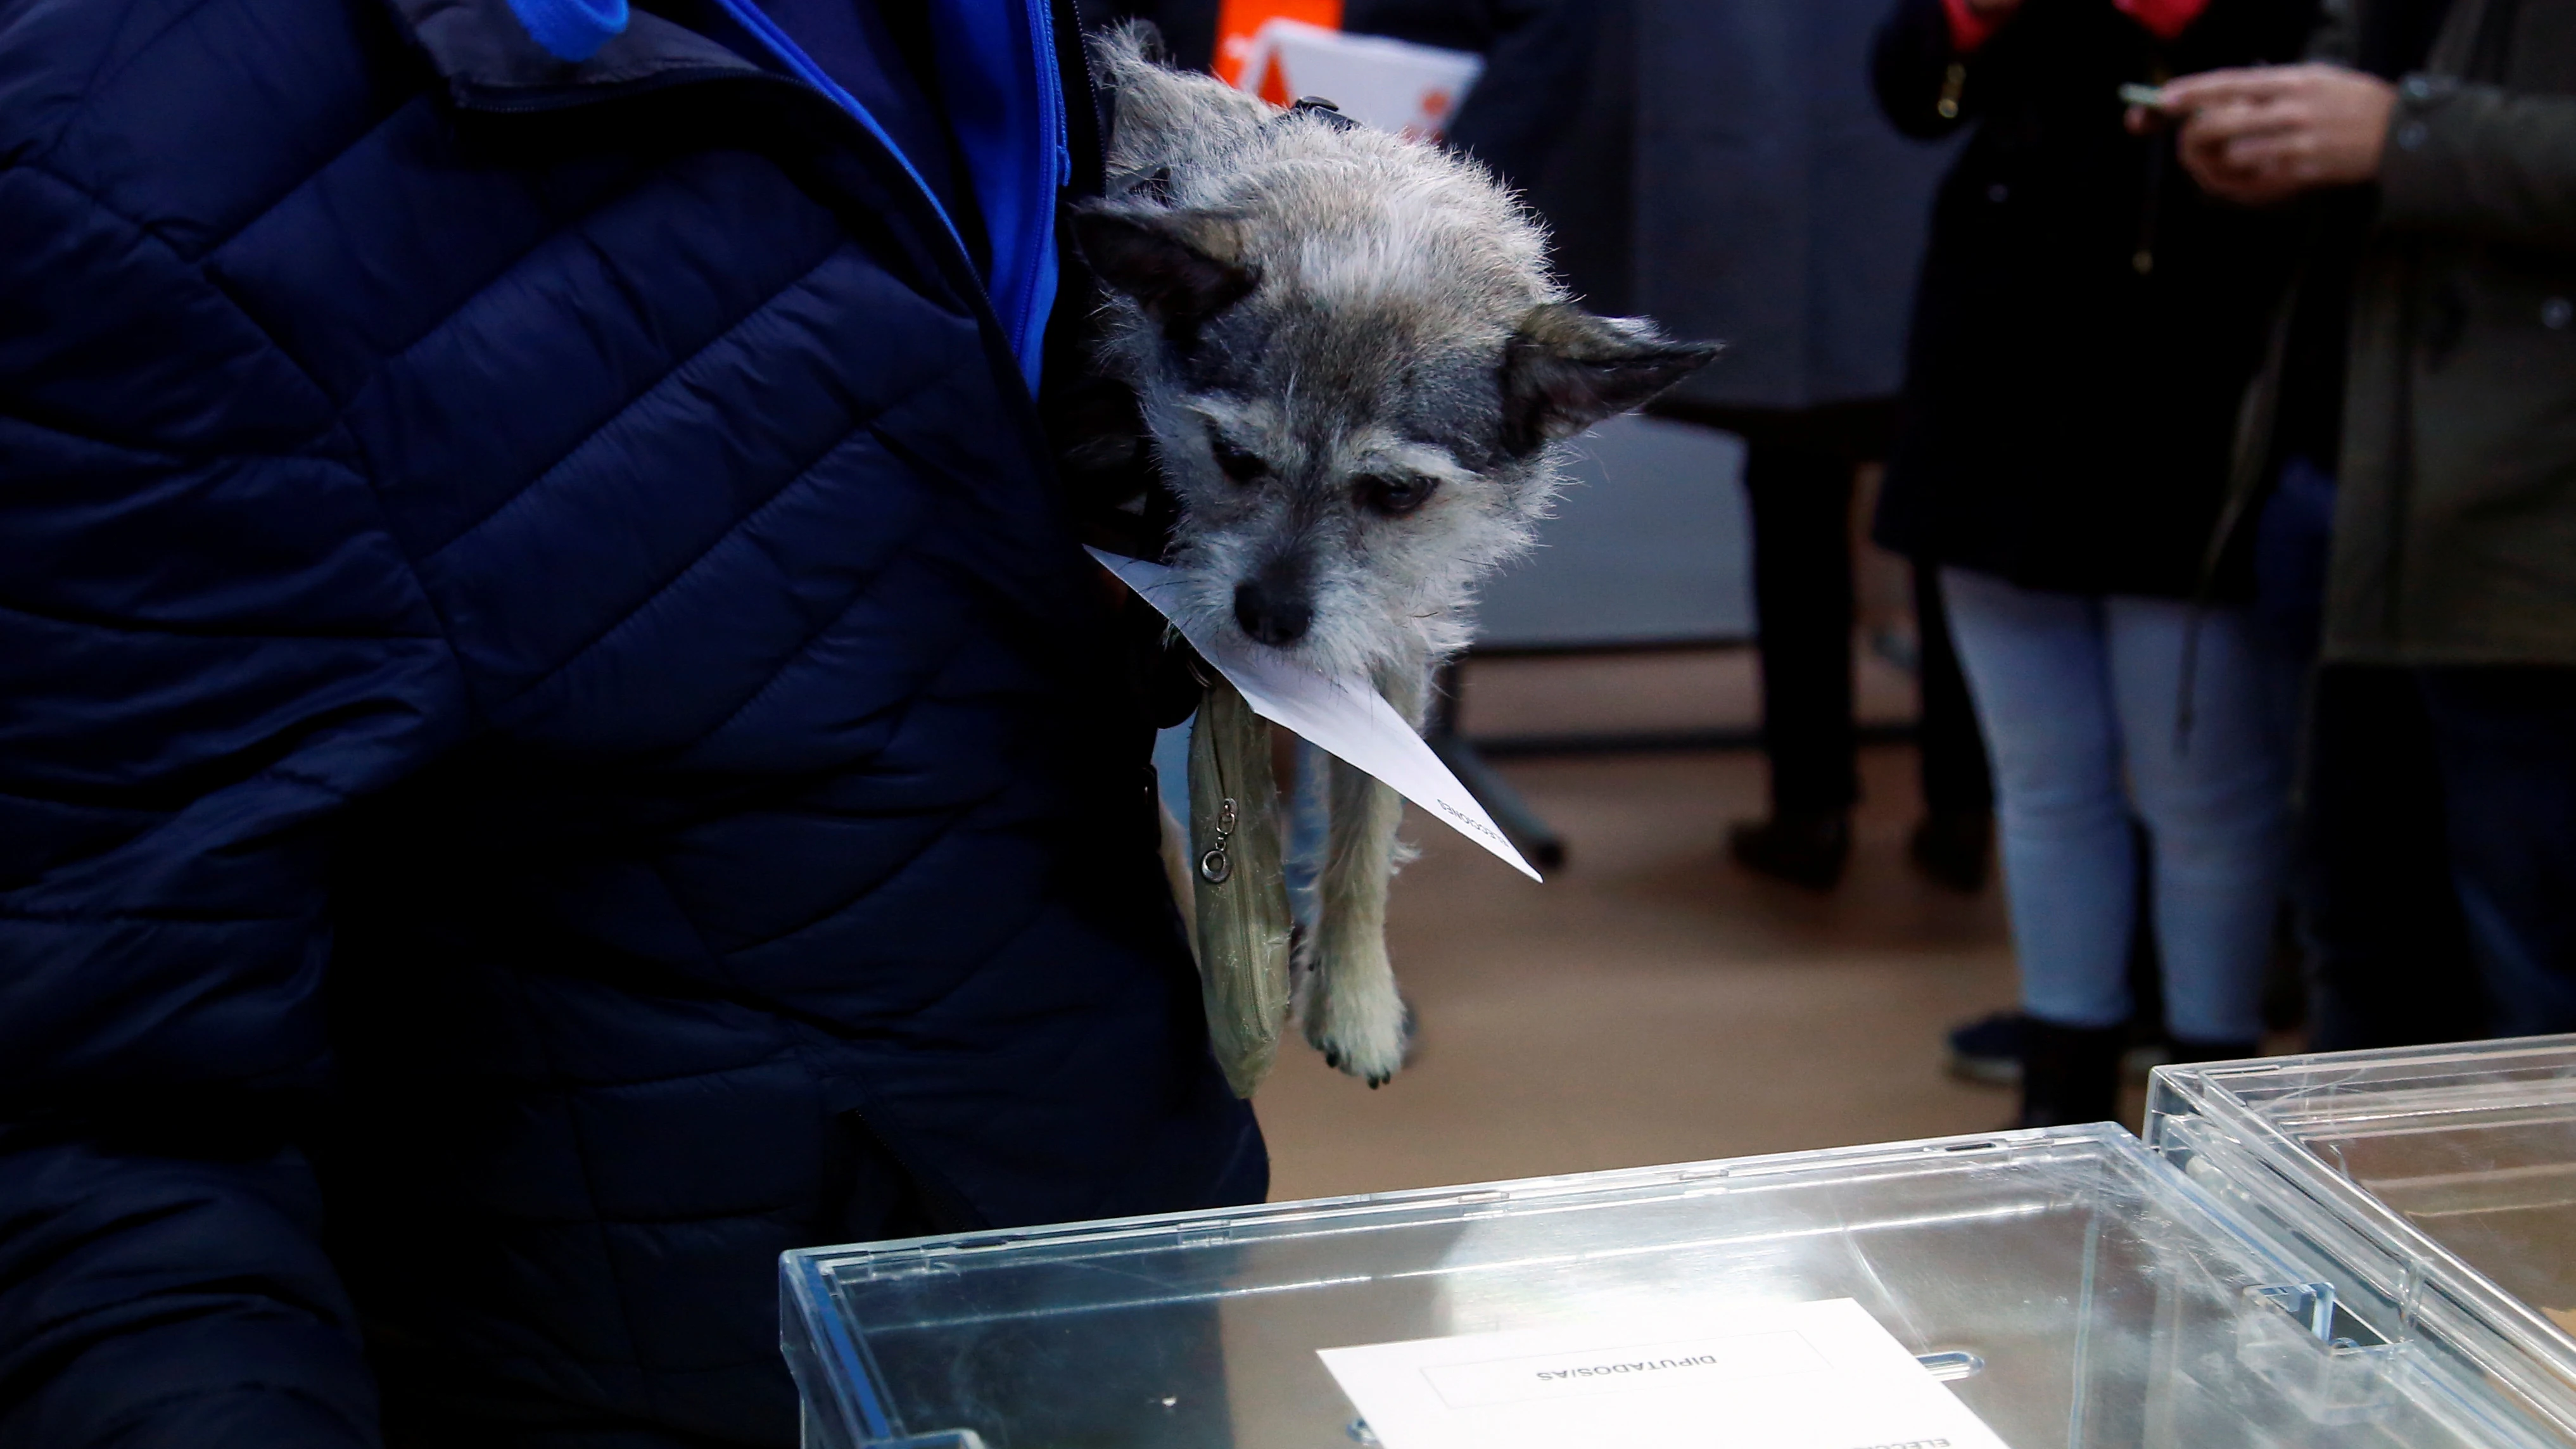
[1343, 718]
[1393, 85]
[1820, 1375]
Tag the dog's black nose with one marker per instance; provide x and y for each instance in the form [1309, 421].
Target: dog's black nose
[1271, 613]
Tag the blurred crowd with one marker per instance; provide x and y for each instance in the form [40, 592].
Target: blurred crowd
[2218, 356]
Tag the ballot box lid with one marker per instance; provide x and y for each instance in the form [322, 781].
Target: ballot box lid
[2443, 1178]
[2068, 1285]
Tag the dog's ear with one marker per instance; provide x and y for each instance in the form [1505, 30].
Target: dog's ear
[1565, 370]
[1180, 266]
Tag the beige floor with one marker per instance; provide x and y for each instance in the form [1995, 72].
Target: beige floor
[1652, 1002]
[1650, 692]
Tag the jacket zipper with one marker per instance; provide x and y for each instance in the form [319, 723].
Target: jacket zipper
[2401, 441]
[2142, 260]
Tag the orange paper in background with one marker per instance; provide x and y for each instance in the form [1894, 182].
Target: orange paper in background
[1238, 20]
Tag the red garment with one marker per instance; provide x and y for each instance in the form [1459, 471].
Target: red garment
[2163, 19]
[1968, 29]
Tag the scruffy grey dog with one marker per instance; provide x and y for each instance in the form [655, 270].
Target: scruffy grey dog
[1354, 367]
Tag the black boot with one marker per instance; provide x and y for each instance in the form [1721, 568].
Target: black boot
[1807, 848]
[2070, 1073]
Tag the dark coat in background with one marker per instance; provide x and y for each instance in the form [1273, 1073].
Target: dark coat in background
[2088, 320]
[555, 740]
[1720, 166]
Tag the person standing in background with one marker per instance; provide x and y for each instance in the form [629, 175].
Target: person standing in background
[2085, 329]
[2440, 135]
[1718, 166]
[2386, 952]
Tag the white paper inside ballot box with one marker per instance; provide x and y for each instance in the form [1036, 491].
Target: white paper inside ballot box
[1781, 1376]
[1343, 718]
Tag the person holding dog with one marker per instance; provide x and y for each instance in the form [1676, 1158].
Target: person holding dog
[555, 737]
[2433, 145]
[2085, 328]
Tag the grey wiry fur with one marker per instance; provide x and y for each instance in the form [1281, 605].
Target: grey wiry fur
[1356, 370]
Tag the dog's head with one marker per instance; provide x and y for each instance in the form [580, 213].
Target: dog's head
[1352, 360]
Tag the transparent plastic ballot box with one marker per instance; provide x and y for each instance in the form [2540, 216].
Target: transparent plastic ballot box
[2069, 1286]
[2443, 1178]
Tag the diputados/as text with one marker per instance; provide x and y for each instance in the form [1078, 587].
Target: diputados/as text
[1641, 1366]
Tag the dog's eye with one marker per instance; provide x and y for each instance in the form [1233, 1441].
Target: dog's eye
[1238, 462]
[1395, 497]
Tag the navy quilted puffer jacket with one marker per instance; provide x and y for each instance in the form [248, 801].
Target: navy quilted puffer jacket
[554, 739]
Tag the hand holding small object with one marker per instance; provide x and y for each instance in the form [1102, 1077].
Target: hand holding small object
[2147, 109]
[2264, 134]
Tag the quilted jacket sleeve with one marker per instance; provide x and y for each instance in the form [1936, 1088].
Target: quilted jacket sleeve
[209, 647]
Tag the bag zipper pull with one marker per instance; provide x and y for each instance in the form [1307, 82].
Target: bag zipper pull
[1216, 865]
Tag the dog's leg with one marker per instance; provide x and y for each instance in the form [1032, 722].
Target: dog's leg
[1352, 1012]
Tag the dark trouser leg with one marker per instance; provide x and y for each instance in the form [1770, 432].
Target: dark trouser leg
[2506, 740]
[2388, 955]
[1802, 592]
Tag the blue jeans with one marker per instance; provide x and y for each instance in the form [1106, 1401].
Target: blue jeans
[2080, 698]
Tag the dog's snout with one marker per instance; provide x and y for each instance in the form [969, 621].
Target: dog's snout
[1272, 610]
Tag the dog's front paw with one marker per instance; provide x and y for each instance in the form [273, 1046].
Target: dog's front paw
[1359, 1022]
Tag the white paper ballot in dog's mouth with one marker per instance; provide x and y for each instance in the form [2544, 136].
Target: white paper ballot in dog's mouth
[1821, 1375]
[1340, 717]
